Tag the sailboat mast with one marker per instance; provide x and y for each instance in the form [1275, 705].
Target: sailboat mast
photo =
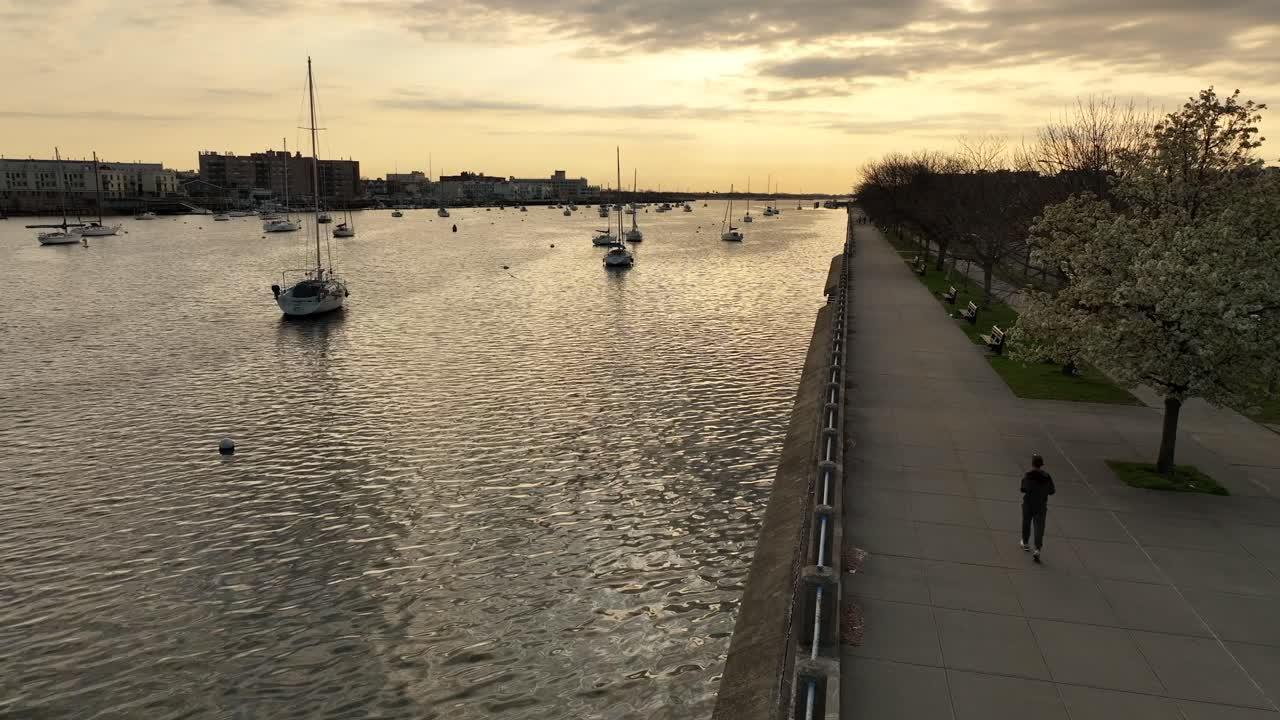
[618, 154]
[97, 184]
[315, 159]
[285, 142]
[62, 188]
[633, 198]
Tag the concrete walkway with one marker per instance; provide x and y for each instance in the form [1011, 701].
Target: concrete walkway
[1148, 605]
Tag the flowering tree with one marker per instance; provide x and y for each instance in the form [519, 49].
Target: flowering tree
[1177, 284]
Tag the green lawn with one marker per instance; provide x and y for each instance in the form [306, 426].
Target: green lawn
[1269, 411]
[1184, 478]
[1035, 381]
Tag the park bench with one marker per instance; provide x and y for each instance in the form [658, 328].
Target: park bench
[949, 297]
[995, 340]
[970, 313]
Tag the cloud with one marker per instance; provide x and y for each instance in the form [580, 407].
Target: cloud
[1141, 35]
[412, 100]
[233, 94]
[114, 115]
[624, 132]
[802, 93]
[950, 125]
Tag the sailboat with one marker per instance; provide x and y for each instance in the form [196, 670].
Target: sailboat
[634, 234]
[97, 229]
[63, 235]
[731, 234]
[441, 210]
[283, 224]
[319, 290]
[346, 228]
[619, 256]
[747, 218]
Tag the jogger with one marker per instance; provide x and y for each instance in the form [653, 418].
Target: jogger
[1037, 486]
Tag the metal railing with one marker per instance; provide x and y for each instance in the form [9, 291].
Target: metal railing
[817, 676]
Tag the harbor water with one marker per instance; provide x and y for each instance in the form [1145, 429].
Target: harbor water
[504, 483]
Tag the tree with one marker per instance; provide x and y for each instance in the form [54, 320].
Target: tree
[1176, 284]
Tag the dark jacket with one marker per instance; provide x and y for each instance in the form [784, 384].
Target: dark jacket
[1037, 486]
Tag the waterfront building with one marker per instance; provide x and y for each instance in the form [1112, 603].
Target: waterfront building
[33, 185]
[263, 174]
[470, 187]
[415, 182]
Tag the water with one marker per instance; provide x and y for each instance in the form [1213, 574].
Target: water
[477, 493]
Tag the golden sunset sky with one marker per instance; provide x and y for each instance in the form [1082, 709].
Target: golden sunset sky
[698, 93]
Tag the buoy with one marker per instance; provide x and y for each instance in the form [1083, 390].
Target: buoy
[227, 446]
[506, 267]
[455, 228]
[553, 244]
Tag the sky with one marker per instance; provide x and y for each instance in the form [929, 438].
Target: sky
[698, 94]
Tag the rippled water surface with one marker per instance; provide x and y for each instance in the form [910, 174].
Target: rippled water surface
[476, 493]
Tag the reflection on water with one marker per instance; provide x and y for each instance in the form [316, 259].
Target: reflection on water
[477, 492]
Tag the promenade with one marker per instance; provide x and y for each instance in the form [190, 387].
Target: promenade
[1148, 605]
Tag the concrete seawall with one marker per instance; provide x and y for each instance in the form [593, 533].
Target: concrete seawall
[773, 670]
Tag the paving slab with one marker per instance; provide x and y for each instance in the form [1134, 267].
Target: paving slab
[903, 632]
[1095, 656]
[1089, 702]
[977, 696]
[882, 690]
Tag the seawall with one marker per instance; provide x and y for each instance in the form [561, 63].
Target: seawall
[783, 658]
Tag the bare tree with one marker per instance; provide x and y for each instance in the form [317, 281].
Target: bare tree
[1090, 143]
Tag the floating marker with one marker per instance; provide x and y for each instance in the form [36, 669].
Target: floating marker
[227, 446]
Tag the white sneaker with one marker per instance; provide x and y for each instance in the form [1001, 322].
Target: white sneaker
[1024, 546]
[1036, 556]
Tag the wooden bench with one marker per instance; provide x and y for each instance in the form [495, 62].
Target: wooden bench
[970, 313]
[995, 340]
[949, 297]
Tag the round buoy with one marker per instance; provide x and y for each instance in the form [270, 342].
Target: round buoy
[227, 446]
[455, 228]
[506, 267]
[553, 244]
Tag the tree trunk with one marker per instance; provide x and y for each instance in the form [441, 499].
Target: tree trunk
[942, 254]
[1172, 406]
[988, 272]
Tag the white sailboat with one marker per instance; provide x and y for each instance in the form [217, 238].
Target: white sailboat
[728, 232]
[145, 215]
[319, 289]
[619, 256]
[98, 229]
[634, 234]
[61, 234]
[282, 224]
[441, 210]
[346, 228]
[747, 218]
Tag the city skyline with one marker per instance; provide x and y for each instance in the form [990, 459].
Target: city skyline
[698, 96]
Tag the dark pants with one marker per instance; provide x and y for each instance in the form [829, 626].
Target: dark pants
[1034, 514]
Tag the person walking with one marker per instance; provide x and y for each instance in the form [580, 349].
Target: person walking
[1037, 486]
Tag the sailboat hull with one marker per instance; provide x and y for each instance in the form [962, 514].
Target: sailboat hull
[296, 303]
[58, 238]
